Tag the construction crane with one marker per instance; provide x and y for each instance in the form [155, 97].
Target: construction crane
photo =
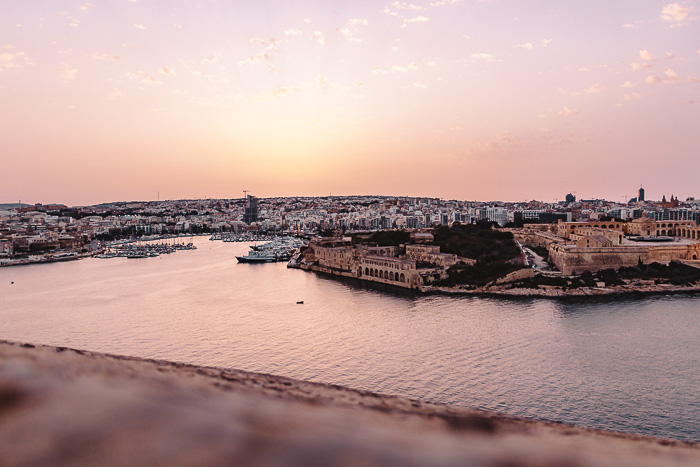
[245, 193]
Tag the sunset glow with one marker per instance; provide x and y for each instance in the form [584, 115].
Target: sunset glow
[491, 99]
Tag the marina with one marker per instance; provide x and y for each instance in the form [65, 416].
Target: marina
[279, 249]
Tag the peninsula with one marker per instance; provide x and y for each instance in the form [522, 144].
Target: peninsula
[542, 260]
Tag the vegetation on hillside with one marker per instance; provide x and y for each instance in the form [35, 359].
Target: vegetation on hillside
[477, 241]
[389, 237]
[493, 249]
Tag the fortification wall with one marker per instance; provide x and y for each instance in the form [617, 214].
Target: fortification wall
[572, 260]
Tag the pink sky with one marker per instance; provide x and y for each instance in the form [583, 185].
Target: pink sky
[492, 99]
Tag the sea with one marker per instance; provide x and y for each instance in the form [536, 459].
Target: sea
[624, 364]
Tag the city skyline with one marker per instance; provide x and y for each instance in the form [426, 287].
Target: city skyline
[481, 100]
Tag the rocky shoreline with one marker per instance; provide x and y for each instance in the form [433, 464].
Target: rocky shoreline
[559, 292]
[62, 406]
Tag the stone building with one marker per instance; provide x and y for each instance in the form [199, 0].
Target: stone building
[430, 254]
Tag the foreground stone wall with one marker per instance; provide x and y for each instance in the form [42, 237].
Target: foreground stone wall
[65, 407]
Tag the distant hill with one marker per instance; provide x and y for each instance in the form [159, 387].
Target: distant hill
[13, 205]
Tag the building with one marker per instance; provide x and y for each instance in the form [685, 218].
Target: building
[251, 210]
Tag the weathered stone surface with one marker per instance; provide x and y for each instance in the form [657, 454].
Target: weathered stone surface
[61, 406]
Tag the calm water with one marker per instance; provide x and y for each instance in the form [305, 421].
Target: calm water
[629, 365]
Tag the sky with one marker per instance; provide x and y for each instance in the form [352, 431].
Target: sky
[472, 100]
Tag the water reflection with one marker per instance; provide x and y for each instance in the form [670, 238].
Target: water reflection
[615, 363]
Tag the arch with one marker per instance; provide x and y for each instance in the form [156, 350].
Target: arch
[371, 273]
[695, 257]
[381, 274]
[663, 232]
[391, 275]
[402, 278]
[366, 271]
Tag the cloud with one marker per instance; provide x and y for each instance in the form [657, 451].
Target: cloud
[177, 26]
[630, 26]
[645, 55]
[596, 88]
[415, 86]
[546, 42]
[143, 77]
[85, 6]
[97, 56]
[292, 32]
[407, 6]
[417, 19]
[482, 56]
[352, 28]
[321, 79]
[672, 77]
[12, 59]
[527, 45]
[261, 57]
[636, 66]
[390, 12]
[213, 58]
[283, 91]
[628, 84]
[167, 71]
[68, 72]
[674, 12]
[672, 56]
[318, 38]
[269, 44]
[653, 80]
[567, 112]
[140, 26]
[444, 2]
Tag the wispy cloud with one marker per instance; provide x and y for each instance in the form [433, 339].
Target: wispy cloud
[636, 66]
[483, 56]
[645, 55]
[567, 112]
[68, 72]
[674, 12]
[167, 71]
[140, 26]
[143, 77]
[319, 38]
[213, 58]
[628, 84]
[352, 28]
[596, 88]
[98, 56]
[269, 44]
[417, 19]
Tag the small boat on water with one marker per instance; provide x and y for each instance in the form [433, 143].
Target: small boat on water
[301, 302]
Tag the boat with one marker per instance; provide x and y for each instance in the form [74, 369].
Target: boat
[257, 257]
